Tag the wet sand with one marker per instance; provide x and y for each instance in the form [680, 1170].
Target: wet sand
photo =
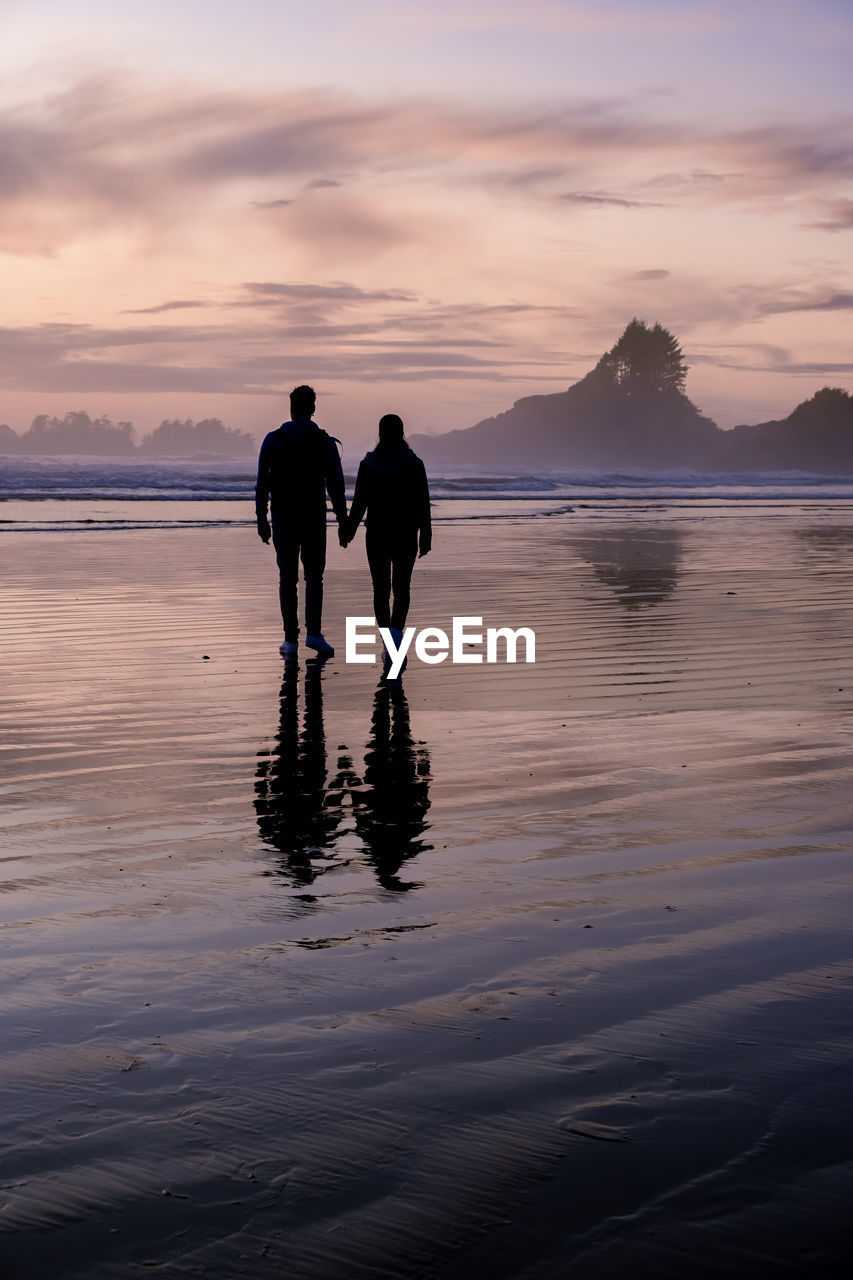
[529, 972]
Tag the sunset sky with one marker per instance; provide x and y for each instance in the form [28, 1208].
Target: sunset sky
[426, 208]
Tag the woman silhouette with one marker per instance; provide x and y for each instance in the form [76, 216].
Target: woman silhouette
[391, 488]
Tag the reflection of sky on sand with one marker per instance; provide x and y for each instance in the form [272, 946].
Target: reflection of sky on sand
[310, 798]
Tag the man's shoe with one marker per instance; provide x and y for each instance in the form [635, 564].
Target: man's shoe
[321, 645]
[289, 649]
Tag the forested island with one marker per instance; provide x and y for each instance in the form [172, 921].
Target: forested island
[77, 433]
[632, 412]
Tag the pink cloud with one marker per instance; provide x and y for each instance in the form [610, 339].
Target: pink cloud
[100, 156]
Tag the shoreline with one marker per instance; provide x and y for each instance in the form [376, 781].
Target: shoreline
[521, 970]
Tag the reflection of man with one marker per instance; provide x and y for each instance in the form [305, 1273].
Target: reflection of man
[291, 801]
[298, 465]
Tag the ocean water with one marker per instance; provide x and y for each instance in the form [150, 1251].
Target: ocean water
[62, 493]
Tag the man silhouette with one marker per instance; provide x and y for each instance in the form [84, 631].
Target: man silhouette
[298, 465]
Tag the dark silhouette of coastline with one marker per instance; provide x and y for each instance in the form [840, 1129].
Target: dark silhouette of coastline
[631, 412]
[816, 436]
[308, 799]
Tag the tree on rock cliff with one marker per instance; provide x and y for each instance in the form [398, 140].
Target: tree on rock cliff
[829, 407]
[630, 410]
[645, 360]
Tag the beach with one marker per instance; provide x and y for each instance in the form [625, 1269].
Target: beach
[527, 970]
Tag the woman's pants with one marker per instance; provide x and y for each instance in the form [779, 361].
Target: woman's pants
[391, 563]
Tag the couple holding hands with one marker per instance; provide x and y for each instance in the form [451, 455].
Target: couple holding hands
[298, 465]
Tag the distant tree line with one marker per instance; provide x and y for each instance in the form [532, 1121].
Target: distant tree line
[77, 433]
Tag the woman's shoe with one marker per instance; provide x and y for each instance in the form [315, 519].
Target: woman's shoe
[321, 645]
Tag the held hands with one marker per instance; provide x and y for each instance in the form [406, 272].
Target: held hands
[344, 536]
[264, 530]
[426, 547]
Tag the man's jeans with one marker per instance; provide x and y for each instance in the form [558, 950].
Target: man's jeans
[308, 543]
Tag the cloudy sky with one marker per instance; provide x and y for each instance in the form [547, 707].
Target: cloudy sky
[428, 208]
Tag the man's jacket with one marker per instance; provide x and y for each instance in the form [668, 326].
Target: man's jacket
[298, 465]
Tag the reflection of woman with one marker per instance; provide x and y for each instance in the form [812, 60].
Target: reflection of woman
[392, 490]
[390, 811]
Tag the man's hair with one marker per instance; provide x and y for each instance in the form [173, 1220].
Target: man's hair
[302, 401]
[391, 431]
